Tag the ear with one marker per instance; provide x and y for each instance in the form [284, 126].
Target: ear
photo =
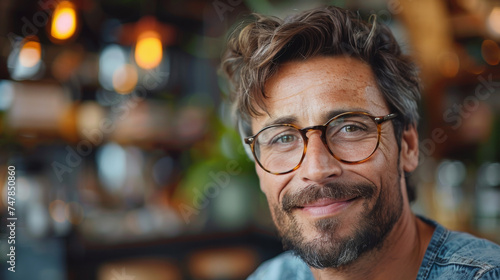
[409, 149]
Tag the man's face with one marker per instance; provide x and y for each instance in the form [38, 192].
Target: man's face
[326, 211]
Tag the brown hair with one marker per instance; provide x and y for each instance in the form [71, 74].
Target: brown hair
[256, 48]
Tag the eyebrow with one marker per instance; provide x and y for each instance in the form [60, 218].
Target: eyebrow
[291, 119]
[282, 120]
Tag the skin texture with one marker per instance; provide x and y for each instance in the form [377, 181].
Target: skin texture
[305, 93]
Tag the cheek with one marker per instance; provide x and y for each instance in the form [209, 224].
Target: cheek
[262, 178]
[390, 156]
[271, 185]
[266, 184]
[386, 155]
[387, 170]
[381, 169]
[269, 188]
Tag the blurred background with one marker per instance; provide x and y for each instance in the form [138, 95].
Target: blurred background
[117, 123]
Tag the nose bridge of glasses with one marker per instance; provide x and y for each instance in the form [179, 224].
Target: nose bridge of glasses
[322, 131]
[317, 156]
[308, 129]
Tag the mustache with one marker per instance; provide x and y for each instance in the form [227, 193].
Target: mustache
[334, 190]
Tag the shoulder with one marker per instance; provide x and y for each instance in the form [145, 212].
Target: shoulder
[458, 254]
[284, 266]
[478, 254]
[468, 248]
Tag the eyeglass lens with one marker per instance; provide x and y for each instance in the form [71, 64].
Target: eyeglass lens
[351, 138]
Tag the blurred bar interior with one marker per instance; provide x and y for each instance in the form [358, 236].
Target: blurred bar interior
[128, 165]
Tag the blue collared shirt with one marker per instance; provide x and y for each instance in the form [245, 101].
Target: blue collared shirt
[450, 255]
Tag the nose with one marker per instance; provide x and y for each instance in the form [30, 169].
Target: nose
[318, 165]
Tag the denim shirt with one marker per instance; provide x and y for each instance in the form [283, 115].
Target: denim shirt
[450, 255]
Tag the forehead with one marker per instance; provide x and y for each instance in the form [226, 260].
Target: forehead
[310, 90]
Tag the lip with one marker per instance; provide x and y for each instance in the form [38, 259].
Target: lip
[327, 206]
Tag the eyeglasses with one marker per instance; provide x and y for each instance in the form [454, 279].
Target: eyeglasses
[351, 137]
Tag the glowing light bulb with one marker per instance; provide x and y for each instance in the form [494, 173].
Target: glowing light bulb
[30, 54]
[64, 21]
[148, 50]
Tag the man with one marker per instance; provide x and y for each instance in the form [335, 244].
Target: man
[327, 104]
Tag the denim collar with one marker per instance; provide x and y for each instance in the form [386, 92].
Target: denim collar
[438, 238]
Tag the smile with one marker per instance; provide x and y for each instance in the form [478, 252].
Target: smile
[327, 206]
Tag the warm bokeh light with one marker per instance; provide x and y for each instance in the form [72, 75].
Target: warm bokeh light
[64, 21]
[490, 52]
[25, 59]
[148, 50]
[125, 79]
[30, 54]
[494, 20]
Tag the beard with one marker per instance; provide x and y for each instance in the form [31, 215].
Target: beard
[328, 249]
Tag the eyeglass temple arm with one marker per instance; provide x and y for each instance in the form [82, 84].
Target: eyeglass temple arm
[380, 120]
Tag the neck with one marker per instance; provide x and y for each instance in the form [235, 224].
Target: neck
[399, 258]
